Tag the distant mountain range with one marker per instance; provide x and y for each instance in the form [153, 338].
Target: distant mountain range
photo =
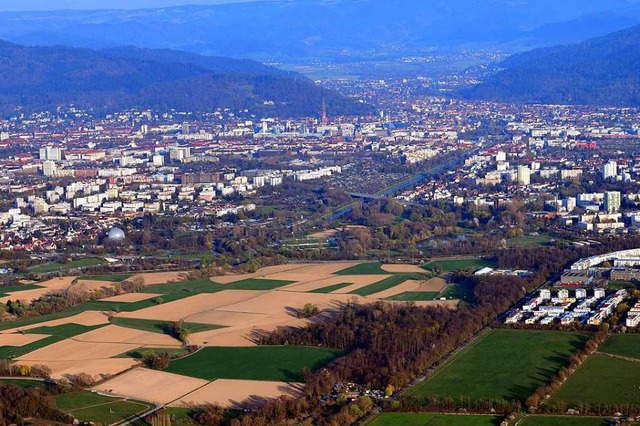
[287, 30]
[37, 78]
[601, 71]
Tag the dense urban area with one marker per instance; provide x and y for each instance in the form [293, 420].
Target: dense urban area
[436, 260]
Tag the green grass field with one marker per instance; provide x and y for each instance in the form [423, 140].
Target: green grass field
[75, 400]
[91, 407]
[528, 241]
[387, 283]
[507, 364]
[79, 263]
[276, 363]
[432, 419]
[563, 421]
[256, 284]
[458, 291]
[602, 379]
[157, 326]
[331, 288]
[114, 278]
[622, 344]
[4, 291]
[453, 265]
[368, 268]
[65, 331]
[181, 416]
[415, 296]
[23, 383]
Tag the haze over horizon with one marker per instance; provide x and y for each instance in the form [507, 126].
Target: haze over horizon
[50, 5]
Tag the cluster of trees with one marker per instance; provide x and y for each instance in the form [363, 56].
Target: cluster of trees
[7, 368]
[156, 360]
[309, 310]
[178, 331]
[16, 404]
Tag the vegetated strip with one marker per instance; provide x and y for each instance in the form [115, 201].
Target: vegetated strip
[367, 268]
[106, 277]
[387, 283]
[159, 326]
[564, 421]
[137, 353]
[415, 296]
[79, 263]
[423, 419]
[452, 265]
[271, 363]
[329, 289]
[26, 384]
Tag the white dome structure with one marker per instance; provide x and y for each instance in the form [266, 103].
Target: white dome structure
[116, 234]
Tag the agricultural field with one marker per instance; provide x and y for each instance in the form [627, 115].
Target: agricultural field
[271, 363]
[432, 419]
[563, 421]
[368, 268]
[504, 364]
[452, 265]
[91, 407]
[415, 296]
[618, 382]
[106, 277]
[224, 315]
[331, 288]
[626, 345]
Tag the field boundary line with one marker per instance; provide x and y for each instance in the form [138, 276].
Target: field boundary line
[622, 357]
[190, 392]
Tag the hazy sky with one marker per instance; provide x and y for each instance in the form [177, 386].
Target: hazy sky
[19, 5]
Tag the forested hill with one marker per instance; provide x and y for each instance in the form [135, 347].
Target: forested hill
[39, 78]
[600, 71]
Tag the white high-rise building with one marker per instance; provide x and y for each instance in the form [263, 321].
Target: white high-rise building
[50, 153]
[524, 175]
[612, 201]
[501, 156]
[49, 168]
[179, 153]
[610, 170]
